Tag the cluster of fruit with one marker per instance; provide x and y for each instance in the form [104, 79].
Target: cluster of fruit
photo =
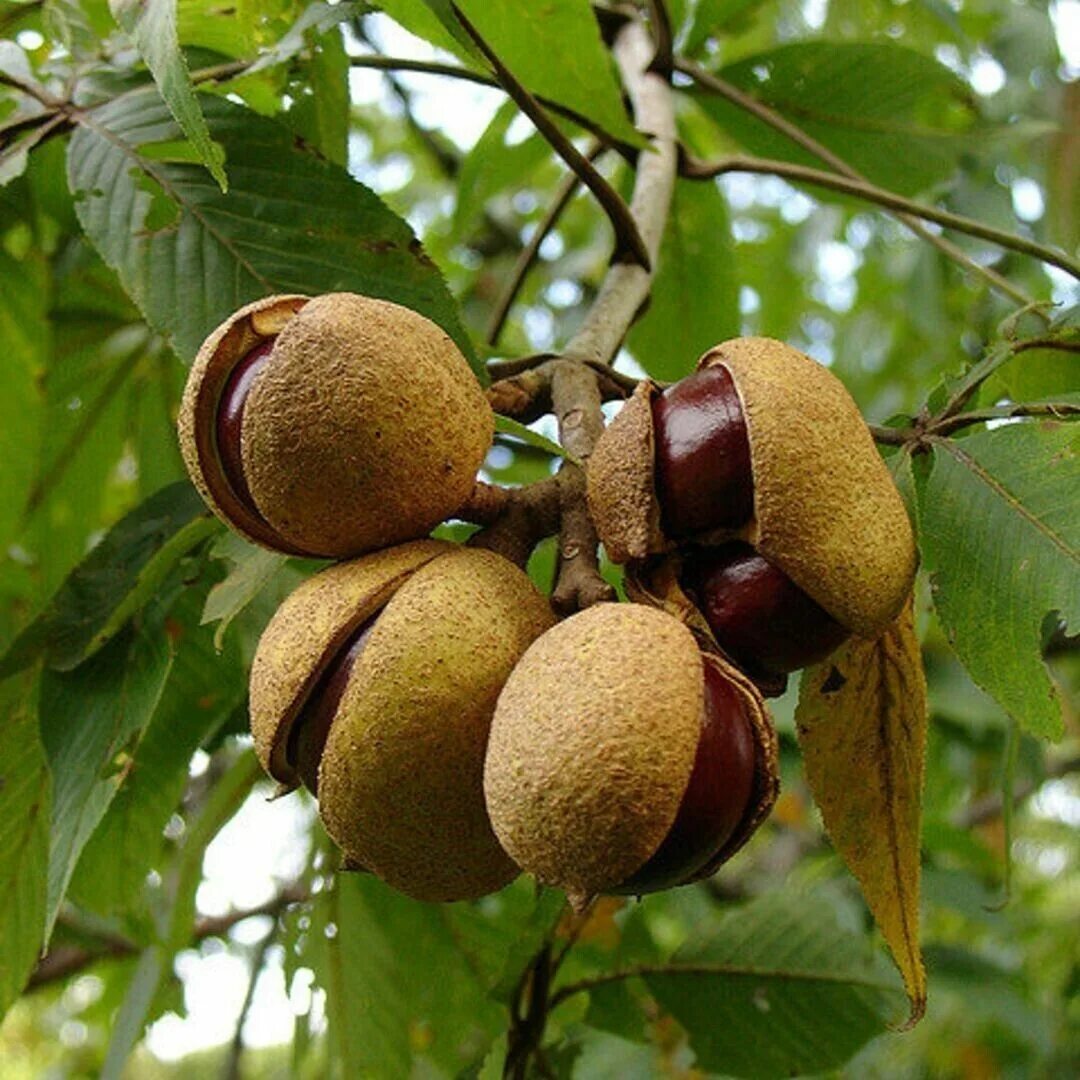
[452, 732]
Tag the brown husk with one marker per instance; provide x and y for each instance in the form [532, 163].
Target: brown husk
[825, 506]
[306, 633]
[197, 419]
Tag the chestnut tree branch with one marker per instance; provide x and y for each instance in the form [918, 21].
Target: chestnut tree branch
[860, 189]
[641, 970]
[528, 515]
[575, 393]
[64, 961]
[1058, 410]
[660, 23]
[579, 381]
[527, 1032]
[563, 194]
[990, 807]
[779, 123]
[626, 286]
[628, 241]
[231, 1071]
[503, 369]
[895, 436]
[527, 396]
[456, 71]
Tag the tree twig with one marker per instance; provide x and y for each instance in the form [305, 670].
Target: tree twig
[660, 23]
[527, 1032]
[577, 382]
[641, 970]
[626, 287]
[990, 807]
[66, 960]
[561, 198]
[1058, 344]
[779, 123]
[1059, 410]
[529, 514]
[31, 90]
[576, 401]
[526, 396]
[231, 1071]
[456, 71]
[860, 189]
[896, 436]
[628, 241]
[503, 369]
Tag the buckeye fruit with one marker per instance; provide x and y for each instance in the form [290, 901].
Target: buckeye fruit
[765, 447]
[332, 426]
[623, 759]
[374, 685]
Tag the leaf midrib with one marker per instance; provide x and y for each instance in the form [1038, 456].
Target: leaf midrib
[86, 120]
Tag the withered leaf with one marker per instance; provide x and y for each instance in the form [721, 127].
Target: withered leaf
[861, 721]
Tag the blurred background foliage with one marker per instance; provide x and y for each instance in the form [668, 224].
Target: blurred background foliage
[196, 907]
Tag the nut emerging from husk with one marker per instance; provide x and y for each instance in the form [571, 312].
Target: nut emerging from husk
[332, 426]
[375, 683]
[825, 509]
[594, 746]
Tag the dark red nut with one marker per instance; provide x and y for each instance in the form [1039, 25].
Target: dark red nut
[332, 426]
[623, 759]
[758, 615]
[703, 476]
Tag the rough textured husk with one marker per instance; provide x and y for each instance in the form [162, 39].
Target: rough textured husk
[196, 421]
[621, 481]
[655, 582]
[400, 782]
[592, 745]
[826, 509]
[308, 630]
[767, 762]
[365, 429]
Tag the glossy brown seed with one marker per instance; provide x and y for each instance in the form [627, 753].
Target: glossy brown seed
[717, 796]
[703, 476]
[759, 616]
[230, 419]
[307, 738]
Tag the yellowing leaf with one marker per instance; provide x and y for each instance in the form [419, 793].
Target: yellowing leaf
[862, 727]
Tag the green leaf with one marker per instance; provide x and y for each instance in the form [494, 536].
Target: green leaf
[501, 937]
[1000, 536]
[292, 222]
[712, 17]
[152, 23]
[130, 1021]
[87, 718]
[554, 49]
[203, 689]
[505, 425]
[200, 25]
[252, 569]
[492, 166]
[314, 21]
[779, 989]
[23, 331]
[434, 21]
[695, 296]
[888, 111]
[24, 844]
[388, 1015]
[114, 581]
[322, 117]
